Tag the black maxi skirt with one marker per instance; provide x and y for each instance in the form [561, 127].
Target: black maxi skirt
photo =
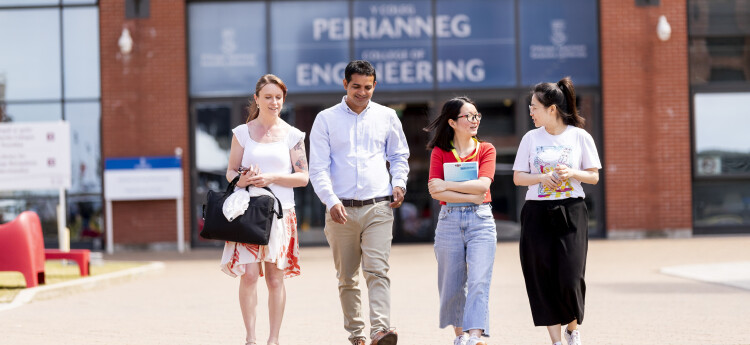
[553, 246]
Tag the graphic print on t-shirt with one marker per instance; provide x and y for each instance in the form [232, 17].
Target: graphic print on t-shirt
[546, 159]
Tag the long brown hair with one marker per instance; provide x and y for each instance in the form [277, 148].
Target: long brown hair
[563, 95]
[252, 107]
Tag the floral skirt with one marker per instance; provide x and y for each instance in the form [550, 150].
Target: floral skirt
[282, 250]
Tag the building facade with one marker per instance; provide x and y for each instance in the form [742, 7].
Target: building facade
[663, 113]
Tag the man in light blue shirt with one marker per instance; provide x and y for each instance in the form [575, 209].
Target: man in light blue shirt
[349, 146]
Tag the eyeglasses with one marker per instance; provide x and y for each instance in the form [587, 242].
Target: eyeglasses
[533, 108]
[471, 117]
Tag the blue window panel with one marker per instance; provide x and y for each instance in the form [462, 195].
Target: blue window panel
[227, 47]
[558, 39]
[9, 3]
[32, 67]
[310, 44]
[476, 44]
[81, 52]
[85, 146]
[79, 2]
[396, 37]
[34, 112]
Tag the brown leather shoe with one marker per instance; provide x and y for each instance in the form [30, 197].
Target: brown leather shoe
[385, 338]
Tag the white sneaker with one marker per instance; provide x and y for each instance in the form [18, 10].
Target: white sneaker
[461, 340]
[573, 338]
[475, 341]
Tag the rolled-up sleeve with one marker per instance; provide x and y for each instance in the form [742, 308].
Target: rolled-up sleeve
[320, 163]
[397, 152]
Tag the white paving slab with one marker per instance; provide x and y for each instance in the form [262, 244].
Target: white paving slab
[735, 274]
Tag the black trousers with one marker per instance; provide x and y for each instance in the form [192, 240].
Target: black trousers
[553, 247]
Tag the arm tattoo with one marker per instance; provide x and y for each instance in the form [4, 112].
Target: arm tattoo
[301, 163]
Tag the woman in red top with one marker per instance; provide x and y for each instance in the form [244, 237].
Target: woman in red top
[465, 237]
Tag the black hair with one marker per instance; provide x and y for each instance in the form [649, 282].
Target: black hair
[443, 131]
[563, 95]
[362, 67]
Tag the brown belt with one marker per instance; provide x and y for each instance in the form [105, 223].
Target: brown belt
[360, 203]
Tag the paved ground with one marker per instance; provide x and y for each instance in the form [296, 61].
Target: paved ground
[629, 300]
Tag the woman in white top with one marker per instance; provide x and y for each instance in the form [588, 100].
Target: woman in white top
[553, 160]
[267, 152]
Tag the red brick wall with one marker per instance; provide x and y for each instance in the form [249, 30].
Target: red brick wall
[646, 117]
[145, 108]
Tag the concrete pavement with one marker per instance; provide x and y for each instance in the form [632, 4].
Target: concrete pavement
[629, 300]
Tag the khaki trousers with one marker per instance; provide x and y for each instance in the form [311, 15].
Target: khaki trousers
[366, 239]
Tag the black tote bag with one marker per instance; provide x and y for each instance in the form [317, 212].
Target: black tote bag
[253, 226]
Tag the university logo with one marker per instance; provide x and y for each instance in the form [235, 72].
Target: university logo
[228, 42]
[229, 57]
[558, 49]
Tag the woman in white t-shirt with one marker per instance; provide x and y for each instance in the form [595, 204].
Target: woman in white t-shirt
[267, 152]
[553, 160]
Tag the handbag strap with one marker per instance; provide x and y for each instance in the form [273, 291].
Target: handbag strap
[230, 187]
[279, 214]
[233, 184]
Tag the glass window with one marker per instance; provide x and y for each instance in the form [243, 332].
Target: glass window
[310, 211]
[85, 148]
[34, 112]
[84, 219]
[721, 149]
[78, 2]
[499, 124]
[8, 3]
[498, 127]
[44, 206]
[719, 40]
[414, 217]
[227, 47]
[32, 66]
[721, 203]
[29, 193]
[81, 52]
[213, 137]
[718, 17]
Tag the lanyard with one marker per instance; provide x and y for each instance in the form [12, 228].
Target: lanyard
[476, 150]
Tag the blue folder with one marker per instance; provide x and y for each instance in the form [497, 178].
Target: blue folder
[459, 172]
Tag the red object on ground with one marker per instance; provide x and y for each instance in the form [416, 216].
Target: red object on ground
[22, 248]
[81, 256]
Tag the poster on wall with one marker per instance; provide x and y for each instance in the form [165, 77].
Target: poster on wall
[476, 44]
[227, 47]
[310, 44]
[558, 39]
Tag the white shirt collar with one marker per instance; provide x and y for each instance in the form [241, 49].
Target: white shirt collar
[346, 106]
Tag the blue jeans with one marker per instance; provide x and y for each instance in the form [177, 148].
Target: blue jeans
[465, 243]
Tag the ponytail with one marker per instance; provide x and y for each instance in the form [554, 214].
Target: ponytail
[252, 110]
[566, 86]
